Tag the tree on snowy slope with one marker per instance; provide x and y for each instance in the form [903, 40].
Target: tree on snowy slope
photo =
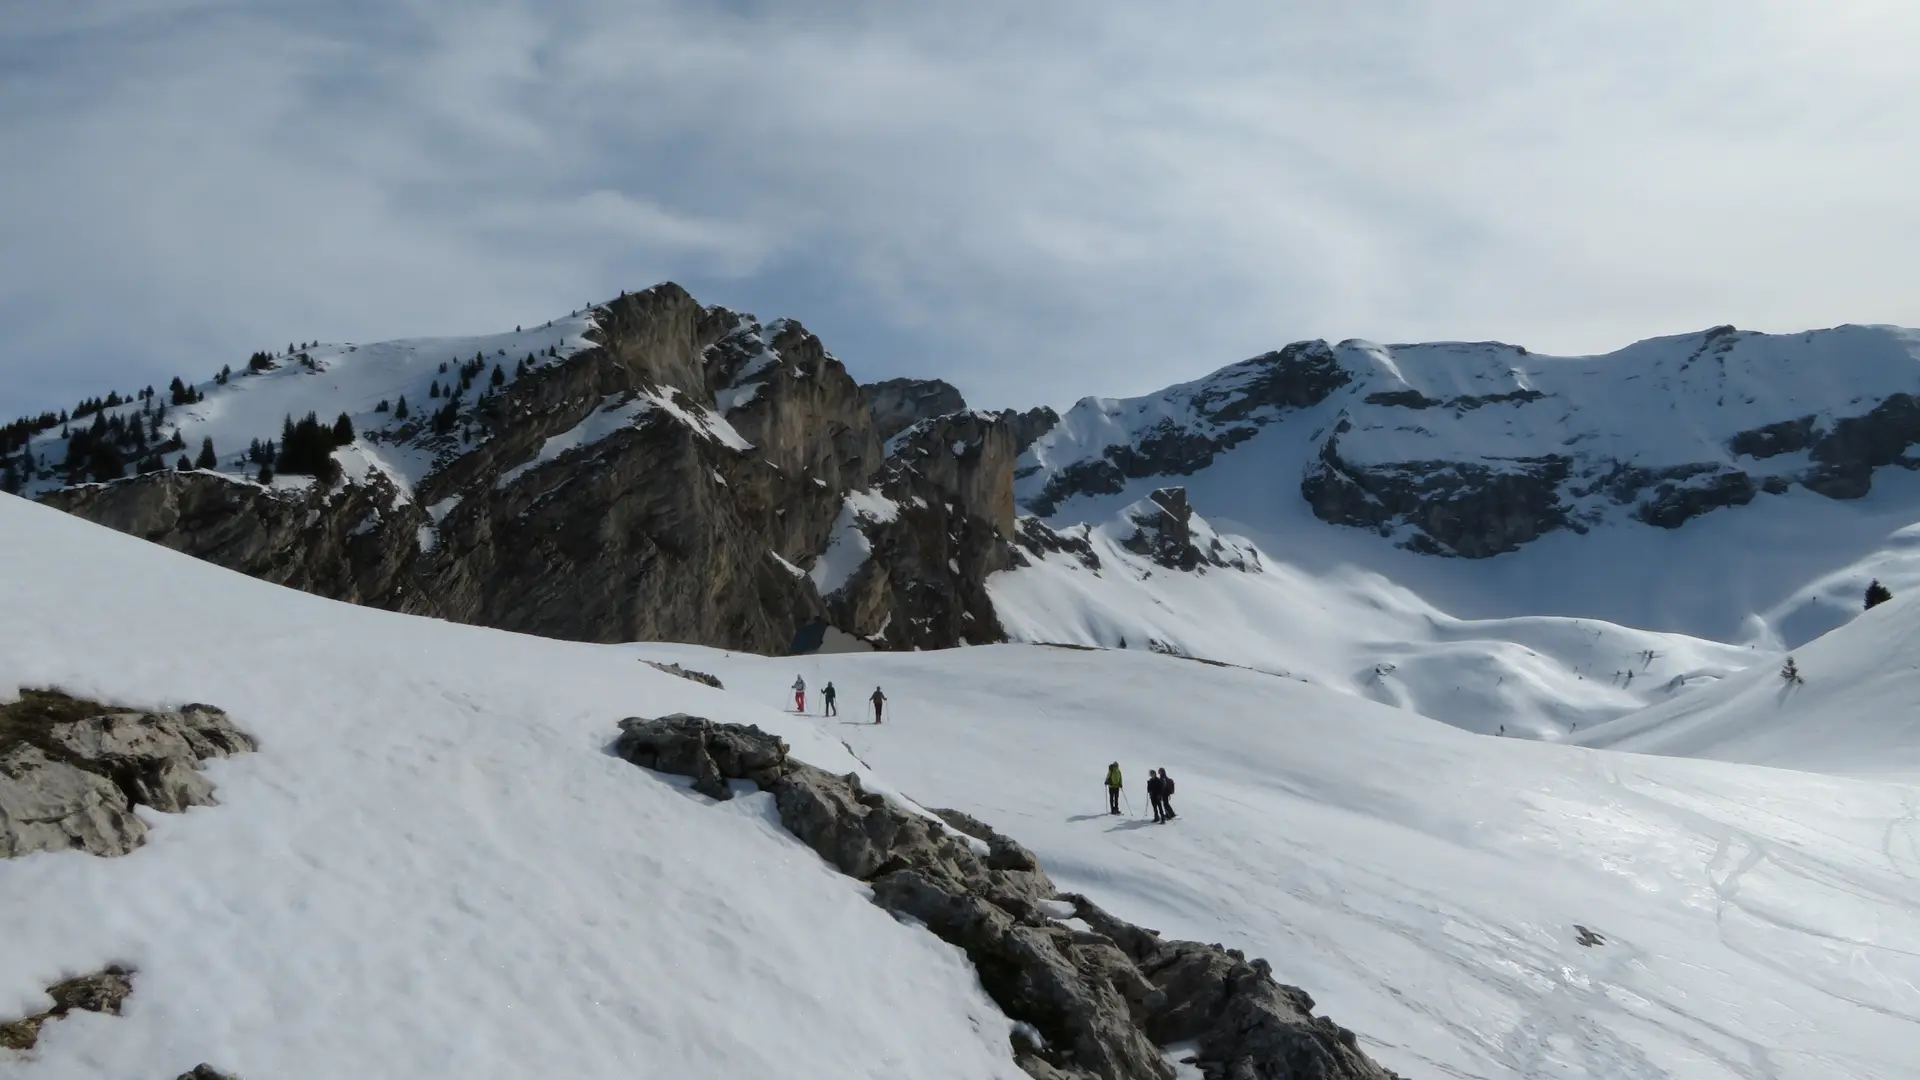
[306, 448]
[1877, 594]
[206, 460]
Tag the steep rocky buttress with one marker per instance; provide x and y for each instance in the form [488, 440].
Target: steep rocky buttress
[670, 481]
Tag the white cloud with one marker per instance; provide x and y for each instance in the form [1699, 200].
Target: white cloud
[1038, 201]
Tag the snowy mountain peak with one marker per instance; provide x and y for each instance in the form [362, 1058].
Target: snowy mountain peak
[1475, 449]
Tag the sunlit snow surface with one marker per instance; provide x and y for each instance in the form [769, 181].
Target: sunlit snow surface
[1423, 883]
[432, 867]
[1738, 575]
[433, 854]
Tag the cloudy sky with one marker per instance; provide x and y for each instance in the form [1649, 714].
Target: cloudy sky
[1036, 201]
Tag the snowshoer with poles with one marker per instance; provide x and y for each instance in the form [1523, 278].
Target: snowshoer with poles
[1153, 796]
[827, 695]
[879, 702]
[1113, 787]
[799, 694]
[1166, 797]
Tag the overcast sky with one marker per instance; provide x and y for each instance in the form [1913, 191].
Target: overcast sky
[1035, 201]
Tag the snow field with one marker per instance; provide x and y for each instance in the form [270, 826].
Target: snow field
[1424, 883]
[1356, 632]
[433, 867]
[1856, 711]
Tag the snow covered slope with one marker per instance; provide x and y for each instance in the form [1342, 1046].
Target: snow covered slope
[1597, 485]
[1349, 630]
[1424, 883]
[432, 867]
[1855, 712]
[330, 380]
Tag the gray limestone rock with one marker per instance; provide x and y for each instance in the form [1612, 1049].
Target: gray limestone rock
[71, 771]
[898, 404]
[671, 527]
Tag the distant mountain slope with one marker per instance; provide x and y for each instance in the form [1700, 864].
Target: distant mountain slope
[1159, 577]
[1856, 711]
[1507, 458]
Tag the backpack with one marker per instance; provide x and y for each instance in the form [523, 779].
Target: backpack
[1166, 787]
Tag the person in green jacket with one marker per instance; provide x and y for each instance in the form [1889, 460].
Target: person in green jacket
[1113, 787]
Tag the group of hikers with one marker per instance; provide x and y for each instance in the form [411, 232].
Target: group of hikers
[1159, 784]
[1159, 792]
[828, 697]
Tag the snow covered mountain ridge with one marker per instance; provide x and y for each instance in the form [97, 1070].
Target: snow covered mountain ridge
[1476, 449]
[646, 469]
[654, 469]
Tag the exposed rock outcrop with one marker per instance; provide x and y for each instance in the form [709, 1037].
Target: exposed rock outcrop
[949, 484]
[1226, 410]
[898, 404]
[689, 674]
[1029, 426]
[1103, 1002]
[102, 992]
[1164, 532]
[1475, 449]
[72, 771]
[664, 484]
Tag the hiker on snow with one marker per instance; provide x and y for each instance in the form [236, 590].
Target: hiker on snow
[1153, 796]
[879, 702]
[1113, 787]
[799, 694]
[1166, 797]
[826, 700]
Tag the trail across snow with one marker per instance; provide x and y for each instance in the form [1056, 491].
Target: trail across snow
[1423, 883]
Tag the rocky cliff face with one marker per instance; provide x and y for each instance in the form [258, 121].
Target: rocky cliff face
[1474, 450]
[668, 479]
[897, 404]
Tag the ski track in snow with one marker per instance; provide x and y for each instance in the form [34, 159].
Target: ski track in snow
[1422, 883]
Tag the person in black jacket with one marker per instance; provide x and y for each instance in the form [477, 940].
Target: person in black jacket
[1166, 797]
[1153, 796]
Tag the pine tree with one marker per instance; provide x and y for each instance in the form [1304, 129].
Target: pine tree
[266, 473]
[206, 460]
[1877, 594]
[384, 406]
[433, 391]
[499, 377]
[343, 431]
[104, 463]
[183, 465]
[1791, 672]
[400, 409]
